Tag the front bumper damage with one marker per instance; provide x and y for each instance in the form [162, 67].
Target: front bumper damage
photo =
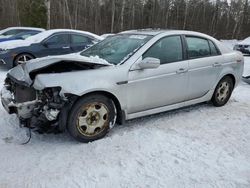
[47, 102]
[41, 109]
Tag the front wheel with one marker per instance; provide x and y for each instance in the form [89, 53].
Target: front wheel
[91, 118]
[22, 58]
[223, 91]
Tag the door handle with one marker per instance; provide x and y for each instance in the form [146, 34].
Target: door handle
[181, 71]
[216, 64]
[65, 47]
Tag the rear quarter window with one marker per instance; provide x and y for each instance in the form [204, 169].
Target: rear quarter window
[213, 48]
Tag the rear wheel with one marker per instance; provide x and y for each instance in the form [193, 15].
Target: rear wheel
[22, 58]
[91, 118]
[223, 91]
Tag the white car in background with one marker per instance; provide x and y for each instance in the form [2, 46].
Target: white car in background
[243, 46]
[10, 31]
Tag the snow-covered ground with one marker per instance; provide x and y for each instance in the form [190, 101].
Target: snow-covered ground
[230, 43]
[198, 146]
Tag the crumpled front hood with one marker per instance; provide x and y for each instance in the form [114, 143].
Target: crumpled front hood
[49, 60]
[21, 73]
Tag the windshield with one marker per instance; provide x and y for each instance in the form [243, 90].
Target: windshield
[118, 48]
[11, 32]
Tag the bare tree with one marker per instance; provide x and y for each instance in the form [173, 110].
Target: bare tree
[122, 15]
[69, 15]
[219, 18]
[113, 16]
[47, 4]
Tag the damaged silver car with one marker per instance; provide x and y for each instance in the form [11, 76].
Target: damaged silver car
[129, 75]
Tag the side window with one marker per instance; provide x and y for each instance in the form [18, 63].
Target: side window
[197, 47]
[79, 39]
[168, 49]
[58, 39]
[213, 49]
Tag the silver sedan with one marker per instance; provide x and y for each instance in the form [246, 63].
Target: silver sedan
[129, 75]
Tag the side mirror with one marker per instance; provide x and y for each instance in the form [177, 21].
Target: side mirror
[47, 44]
[149, 63]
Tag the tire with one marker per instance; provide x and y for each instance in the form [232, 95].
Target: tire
[223, 91]
[91, 117]
[22, 58]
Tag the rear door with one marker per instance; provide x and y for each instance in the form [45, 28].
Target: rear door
[57, 44]
[80, 42]
[204, 65]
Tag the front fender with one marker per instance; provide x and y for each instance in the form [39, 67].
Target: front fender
[82, 82]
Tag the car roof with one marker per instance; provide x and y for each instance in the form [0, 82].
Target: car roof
[145, 31]
[41, 36]
[155, 32]
[28, 28]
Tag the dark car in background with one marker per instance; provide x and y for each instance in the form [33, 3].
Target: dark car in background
[47, 43]
[11, 31]
[243, 46]
[20, 36]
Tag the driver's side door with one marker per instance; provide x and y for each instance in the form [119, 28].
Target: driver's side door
[162, 86]
[58, 44]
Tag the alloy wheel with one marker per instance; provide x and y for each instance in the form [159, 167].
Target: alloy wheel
[223, 91]
[93, 119]
[23, 58]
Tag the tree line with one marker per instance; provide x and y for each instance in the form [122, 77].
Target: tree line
[222, 19]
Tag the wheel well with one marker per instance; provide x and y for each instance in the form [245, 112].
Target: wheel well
[63, 117]
[120, 113]
[232, 77]
[22, 54]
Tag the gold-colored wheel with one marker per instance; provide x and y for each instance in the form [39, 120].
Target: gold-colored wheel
[92, 119]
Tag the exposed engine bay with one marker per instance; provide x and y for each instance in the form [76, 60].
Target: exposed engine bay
[37, 109]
